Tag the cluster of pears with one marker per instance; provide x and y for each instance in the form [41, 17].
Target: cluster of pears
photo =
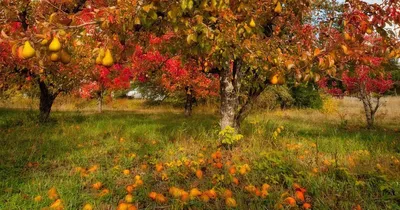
[105, 58]
[57, 54]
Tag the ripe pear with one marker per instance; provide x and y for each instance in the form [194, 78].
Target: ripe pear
[28, 51]
[55, 56]
[55, 45]
[100, 56]
[274, 79]
[44, 42]
[14, 50]
[20, 50]
[65, 57]
[252, 23]
[108, 59]
[62, 32]
[99, 60]
[278, 8]
[102, 53]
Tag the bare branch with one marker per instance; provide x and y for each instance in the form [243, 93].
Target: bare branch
[377, 105]
[55, 7]
[84, 24]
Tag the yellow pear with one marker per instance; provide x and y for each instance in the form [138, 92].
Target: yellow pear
[62, 33]
[108, 59]
[102, 53]
[14, 50]
[55, 45]
[99, 60]
[44, 42]
[100, 56]
[65, 57]
[55, 56]
[278, 8]
[252, 23]
[28, 51]
[20, 50]
[274, 79]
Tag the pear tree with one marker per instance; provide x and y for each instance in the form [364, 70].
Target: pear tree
[52, 45]
[249, 44]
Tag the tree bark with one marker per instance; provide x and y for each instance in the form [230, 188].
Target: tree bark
[100, 101]
[368, 113]
[229, 91]
[46, 101]
[245, 109]
[369, 109]
[189, 102]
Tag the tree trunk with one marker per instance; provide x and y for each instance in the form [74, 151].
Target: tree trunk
[229, 91]
[100, 101]
[368, 113]
[369, 108]
[189, 102]
[46, 102]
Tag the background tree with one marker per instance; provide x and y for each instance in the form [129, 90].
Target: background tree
[171, 75]
[247, 43]
[103, 79]
[355, 50]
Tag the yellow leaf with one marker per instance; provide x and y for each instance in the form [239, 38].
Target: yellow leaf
[278, 8]
[317, 51]
[148, 7]
[52, 193]
[57, 205]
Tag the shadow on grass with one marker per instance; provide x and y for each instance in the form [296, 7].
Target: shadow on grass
[24, 140]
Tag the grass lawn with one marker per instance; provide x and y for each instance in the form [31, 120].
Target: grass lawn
[98, 159]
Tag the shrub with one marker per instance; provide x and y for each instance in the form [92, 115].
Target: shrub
[273, 97]
[307, 96]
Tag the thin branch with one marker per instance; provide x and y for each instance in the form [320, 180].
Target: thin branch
[84, 24]
[377, 104]
[55, 7]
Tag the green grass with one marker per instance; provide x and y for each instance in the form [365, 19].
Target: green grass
[355, 165]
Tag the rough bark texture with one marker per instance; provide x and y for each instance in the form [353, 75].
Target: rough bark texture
[189, 102]
[46, 101]
[100, 101]
[244, 110]
[369, 108]
[368, 114]
[230, 86]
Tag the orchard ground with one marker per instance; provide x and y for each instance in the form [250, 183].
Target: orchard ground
[82, 157]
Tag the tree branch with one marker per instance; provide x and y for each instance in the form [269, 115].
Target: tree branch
[54, 6]
[84, 24]
[377, 105]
